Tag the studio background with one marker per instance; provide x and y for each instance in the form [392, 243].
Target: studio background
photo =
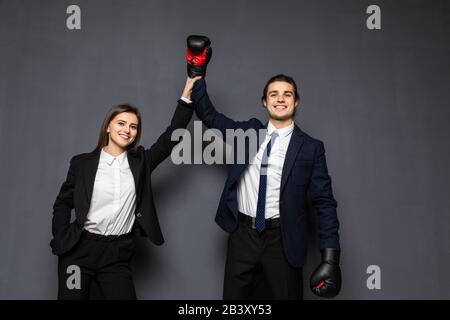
[379, 99]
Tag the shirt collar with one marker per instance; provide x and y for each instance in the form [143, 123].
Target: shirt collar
[283, 132]
[109, 159]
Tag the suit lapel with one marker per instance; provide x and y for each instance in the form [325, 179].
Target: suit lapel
[133, 161]
[294, 147]
[90, 171]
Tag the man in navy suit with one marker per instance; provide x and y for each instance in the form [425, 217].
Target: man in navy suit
[263, 204]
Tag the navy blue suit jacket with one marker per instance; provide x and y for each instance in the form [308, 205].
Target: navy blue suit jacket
[304, 171]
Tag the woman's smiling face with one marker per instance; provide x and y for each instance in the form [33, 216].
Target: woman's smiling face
[123, 129]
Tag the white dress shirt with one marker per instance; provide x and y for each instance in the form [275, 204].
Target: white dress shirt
[114, 197]
[248, 184]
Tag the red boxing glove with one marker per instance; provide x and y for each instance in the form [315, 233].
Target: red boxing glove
[198, 54]
[195, 58]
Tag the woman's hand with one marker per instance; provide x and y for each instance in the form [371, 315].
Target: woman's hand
[188, 86]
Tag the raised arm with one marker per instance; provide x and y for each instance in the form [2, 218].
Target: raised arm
[208, 114]
[162, 148]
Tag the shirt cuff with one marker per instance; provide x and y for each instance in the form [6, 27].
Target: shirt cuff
[185, 99]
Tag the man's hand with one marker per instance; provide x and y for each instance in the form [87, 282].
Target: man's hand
[326, 279]
[188, 87]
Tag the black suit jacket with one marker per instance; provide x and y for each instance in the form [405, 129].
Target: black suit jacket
[76, 191]
[304, 171]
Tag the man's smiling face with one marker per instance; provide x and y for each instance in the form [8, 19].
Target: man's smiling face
[280, 101]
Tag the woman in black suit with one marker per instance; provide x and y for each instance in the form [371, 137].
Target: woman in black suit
[110, 190]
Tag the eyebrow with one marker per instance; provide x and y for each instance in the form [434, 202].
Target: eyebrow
[276, 91]
[125, 121]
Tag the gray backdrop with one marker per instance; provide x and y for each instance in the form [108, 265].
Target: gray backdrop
[377, 98]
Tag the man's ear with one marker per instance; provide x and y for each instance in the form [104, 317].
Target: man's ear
[264, 103]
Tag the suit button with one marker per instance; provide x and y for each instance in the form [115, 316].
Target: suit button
[138, 214]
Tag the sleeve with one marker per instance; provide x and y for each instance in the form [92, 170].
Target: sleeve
[323, 201]
[162, 148]
[210, 117]
[63, 205]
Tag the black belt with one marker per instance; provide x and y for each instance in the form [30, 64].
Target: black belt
[250, 221]
[99, 237]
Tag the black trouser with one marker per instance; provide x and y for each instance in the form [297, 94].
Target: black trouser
[250, 254]
[104, 259]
